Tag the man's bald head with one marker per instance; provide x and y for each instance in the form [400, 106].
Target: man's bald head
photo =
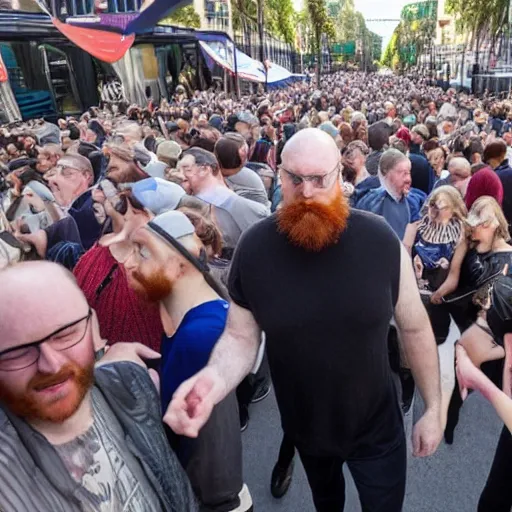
[460, 174]
[460, 166]
[36, 298]
[311, 151]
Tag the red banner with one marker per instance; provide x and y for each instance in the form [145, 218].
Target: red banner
[3, 71]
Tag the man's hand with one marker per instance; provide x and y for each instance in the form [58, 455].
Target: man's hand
[193, 402]
[134, 352]
[427, 434]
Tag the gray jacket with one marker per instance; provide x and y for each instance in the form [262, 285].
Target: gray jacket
[34, 478]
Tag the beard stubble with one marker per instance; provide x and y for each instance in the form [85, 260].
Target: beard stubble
[31, 405]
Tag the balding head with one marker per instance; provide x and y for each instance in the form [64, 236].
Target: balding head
[460, 174]
[460, 166]
[312, 149]
[310, 167]
[43, 292]
[47, 343]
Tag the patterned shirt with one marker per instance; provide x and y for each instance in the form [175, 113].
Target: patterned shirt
[110, 475]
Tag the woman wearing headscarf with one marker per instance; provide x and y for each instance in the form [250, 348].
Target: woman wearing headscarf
[484, 182]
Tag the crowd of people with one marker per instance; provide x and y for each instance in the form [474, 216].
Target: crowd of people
[177, 261]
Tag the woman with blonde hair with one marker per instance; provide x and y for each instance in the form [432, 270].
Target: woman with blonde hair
[489, 255]
[440, 237]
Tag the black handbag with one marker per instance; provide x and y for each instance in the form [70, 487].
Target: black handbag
[478, 270]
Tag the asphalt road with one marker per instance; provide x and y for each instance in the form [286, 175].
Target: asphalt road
[449, 481]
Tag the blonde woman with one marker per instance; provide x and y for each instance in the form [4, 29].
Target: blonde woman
[492, 256]
[440, 237]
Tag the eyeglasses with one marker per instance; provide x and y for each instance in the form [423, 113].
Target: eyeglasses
[317, 180]
[23, 356]
[60, 170]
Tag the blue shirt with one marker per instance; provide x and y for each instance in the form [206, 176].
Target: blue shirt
[188, 350]
[397, 214]
[380, 202]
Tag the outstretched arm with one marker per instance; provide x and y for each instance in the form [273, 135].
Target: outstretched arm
[235, 353]
[470, 377]
[417, 339]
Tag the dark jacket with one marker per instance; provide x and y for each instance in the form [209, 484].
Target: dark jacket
[34, 477]
[88, 227]
[422, 174]
[504, 172]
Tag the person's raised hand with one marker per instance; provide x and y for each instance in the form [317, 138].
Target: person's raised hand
[427, 434]
[193, 402]
[134, 352]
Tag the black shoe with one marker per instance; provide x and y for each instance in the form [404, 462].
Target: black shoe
[244, 417]
[281, 480]
[448, 436]
[261, 393]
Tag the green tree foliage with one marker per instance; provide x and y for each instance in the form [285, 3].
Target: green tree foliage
[480, 18]
[320, 24]
[409, 40]
[185, 17]
[279, 17]
[346, 24]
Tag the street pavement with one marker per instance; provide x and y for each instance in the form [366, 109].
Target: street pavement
[449, 481]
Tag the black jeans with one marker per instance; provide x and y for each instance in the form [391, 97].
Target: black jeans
[497, 493]
[439, 315]
[380, 480]
[286, 452]
[246, 389]
[213, 460]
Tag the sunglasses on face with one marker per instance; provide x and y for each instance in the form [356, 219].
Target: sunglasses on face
[321, 181]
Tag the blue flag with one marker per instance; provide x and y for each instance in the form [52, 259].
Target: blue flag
[149, 17]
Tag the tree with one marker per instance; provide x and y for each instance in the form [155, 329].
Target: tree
[278, 17]
[185, 17]
[321, 24]
[409, 40]
[482, 19]
[346, 24]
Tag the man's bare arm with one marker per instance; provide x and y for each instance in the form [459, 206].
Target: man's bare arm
[235, 353]
[416, 336]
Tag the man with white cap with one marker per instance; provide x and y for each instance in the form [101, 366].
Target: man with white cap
[168, 265]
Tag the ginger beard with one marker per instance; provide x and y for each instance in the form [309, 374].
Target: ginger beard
[313, 225]
[58, 406]
[153, 288]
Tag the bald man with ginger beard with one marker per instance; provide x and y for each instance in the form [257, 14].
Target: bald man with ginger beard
[333, 278]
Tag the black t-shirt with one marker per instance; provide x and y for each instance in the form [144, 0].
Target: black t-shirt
[326, 317]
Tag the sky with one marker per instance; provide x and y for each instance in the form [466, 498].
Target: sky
[377, 9]
[381, 9]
